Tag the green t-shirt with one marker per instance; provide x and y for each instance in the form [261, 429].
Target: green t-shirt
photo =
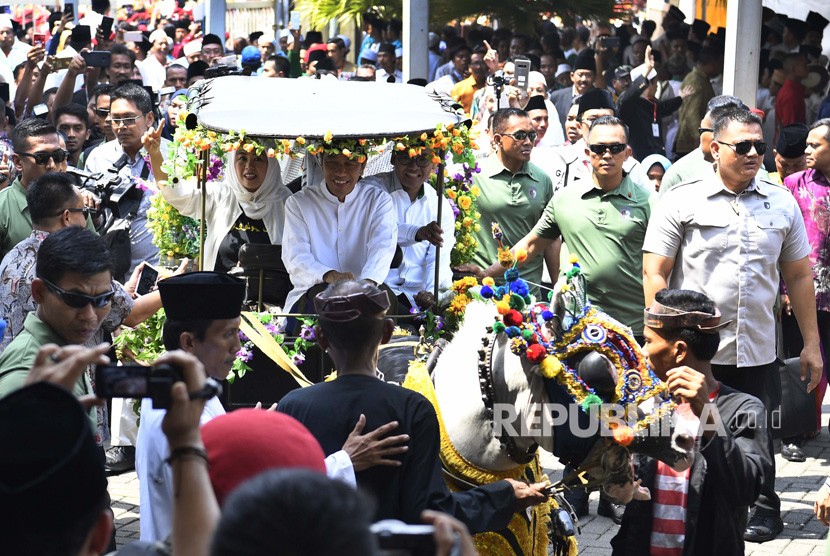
[605, 231]
[515, 202]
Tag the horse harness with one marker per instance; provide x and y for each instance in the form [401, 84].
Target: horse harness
[488, 395]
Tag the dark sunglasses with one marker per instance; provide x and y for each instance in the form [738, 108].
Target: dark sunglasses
[702, 130]
[421, 161]
[523, 135]
[42, 159]
[79, 300]
[87, 211]
[743, 147]
[615, 148]
[102, 112]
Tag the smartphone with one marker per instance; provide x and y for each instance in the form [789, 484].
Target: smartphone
[5, 95]
[147, 280]
[610, 42]
[294, 20]
[136, 381]
[69, 8]
[59, 63]
[97, 58]
[522, 72]
[133, 36]
[40, 110]
[39, 39]
[106, 27]
[225, 61]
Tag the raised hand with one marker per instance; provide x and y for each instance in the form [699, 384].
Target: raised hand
[152, 139]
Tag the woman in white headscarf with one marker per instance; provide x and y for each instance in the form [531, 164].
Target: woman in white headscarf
[248, 207]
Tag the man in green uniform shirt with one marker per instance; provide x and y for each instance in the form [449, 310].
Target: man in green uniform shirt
[513, 193]
[73, 292]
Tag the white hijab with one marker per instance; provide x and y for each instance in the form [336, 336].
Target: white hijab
[266, 203]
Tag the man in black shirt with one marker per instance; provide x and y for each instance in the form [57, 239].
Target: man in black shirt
[352, 326]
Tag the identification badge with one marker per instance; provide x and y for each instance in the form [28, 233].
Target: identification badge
[655, 129]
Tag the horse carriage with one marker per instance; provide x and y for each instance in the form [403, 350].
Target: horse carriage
[516, 375]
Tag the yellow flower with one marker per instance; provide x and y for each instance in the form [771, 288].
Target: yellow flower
[300, 141]
[506, 258]
[248, 147]
[574, 259]
[328, 137]
[464, 202]
[400, 146]
[521, 255]
[488, 281]
[424, 136]
[347, 153]
[475, 190]
[467, 222]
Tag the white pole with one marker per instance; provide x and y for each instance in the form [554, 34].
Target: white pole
[415, 35]
[743, 48]
[215, 18]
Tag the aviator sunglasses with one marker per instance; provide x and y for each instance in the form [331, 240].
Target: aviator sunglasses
[743, 147]
[615, 148]
[79, 300]
[42, 158]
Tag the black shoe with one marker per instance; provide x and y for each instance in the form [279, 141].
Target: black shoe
[578, 499]
[763, 528]
[793, 452]
[120, 459]
[607, 508]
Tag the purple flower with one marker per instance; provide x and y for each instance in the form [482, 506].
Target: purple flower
[439, 323]
[298, 359]
[458, 177]
[455, 211]
[244, 355]
[414, 310]
[243, 338]
[272, 329]
[307, 333]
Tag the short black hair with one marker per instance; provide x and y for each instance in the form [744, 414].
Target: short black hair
[709, 55]
[609, 121]
[281, 64]
[822, 122]
[31, 127]
[173, 329]
[703, 345]
[72, 109]
[105, 89]
[734, 115]
[175, 66]
[121, 50]
[453, 52]
[72, 249]
[48, 195]
[337, 41]
[503, 115]
[725, 100]
[356, 335]
[294, 512]
[134, 93]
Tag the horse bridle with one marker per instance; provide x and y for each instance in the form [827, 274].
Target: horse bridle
[488, 395]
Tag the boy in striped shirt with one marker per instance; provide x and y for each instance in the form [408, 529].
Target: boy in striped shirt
[703, 510]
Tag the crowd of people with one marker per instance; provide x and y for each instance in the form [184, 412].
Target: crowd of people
[708, 211]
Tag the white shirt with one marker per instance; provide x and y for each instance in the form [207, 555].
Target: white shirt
[322, 234]
[221, 211]
[381, 75]
[417, 270]
[155, 477]
[152, 72]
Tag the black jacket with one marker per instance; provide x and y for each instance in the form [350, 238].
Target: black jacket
[726, 478]
[638, 115]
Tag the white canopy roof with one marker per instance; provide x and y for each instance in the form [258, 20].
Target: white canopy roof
[289, 108]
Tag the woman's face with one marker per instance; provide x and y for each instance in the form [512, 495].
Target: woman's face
[250, 169]
[655, 175]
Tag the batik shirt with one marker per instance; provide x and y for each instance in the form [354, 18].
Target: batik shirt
[811, 190]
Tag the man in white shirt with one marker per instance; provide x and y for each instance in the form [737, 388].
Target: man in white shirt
[338, 229]
[210, 331]
[416, 207]
[387, 64]
[12, 51]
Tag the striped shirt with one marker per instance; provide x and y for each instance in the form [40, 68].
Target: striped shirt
[668, 529]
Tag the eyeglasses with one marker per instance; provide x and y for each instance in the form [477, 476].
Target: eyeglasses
[42, 158]
[86, 211]
[615, 148]
[422, 161]
[742, 148]
[102, 112]
[126, 122]
[523, 135]
[702, 130]
[79, 300]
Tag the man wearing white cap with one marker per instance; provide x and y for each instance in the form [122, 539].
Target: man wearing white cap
[152, 68]
[12, 51]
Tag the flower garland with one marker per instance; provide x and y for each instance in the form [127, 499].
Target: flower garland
[296, 352]
[176, 236]
[462, 196]
[142, 343]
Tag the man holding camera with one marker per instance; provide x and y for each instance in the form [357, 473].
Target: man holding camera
[131, 114]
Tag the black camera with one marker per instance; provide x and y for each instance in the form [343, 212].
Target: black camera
[118, 193]
[137, 381]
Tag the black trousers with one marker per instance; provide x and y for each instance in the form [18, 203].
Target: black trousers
[764, 383]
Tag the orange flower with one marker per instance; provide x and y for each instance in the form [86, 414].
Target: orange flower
[623, 435]
[464, 202]
[521, 255]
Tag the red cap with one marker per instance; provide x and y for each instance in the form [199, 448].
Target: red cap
[247, 442]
